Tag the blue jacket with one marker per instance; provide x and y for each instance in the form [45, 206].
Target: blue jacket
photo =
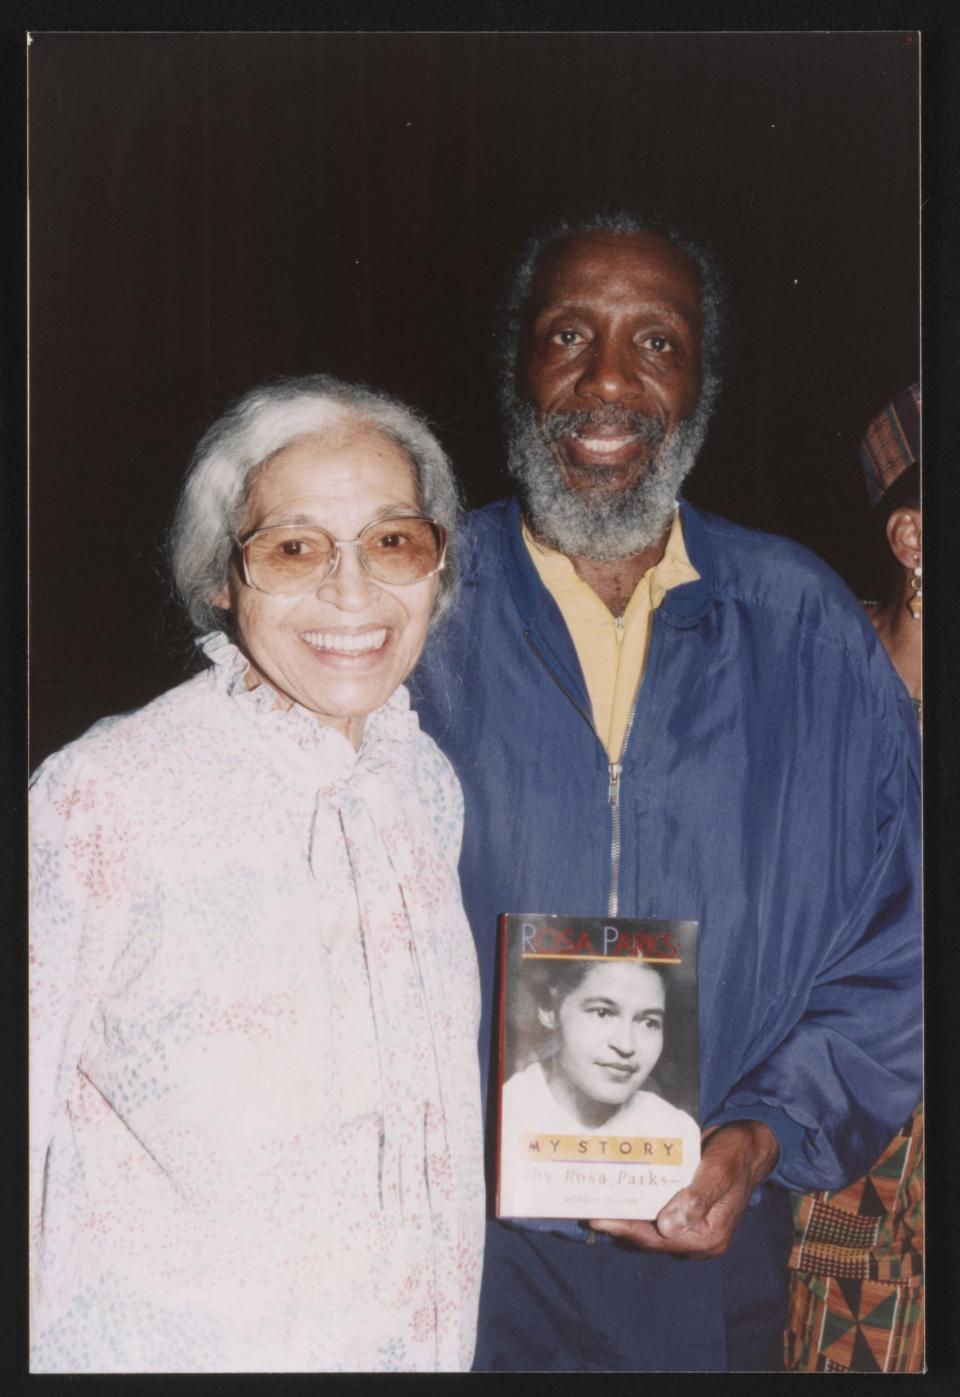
[768, 789]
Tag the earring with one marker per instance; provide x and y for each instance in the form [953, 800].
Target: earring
[915, 600]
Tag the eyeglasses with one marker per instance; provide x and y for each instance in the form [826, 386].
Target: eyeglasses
[291, 558]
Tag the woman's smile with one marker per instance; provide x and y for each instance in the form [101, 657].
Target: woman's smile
[348, 644]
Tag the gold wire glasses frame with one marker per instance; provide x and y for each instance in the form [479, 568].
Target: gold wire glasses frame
[289, 559]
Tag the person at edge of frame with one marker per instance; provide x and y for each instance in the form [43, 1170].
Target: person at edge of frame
[657, 713]
[856, 1267]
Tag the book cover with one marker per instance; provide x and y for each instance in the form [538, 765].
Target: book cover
[598, 1065]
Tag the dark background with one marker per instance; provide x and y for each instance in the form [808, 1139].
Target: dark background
[209, 210]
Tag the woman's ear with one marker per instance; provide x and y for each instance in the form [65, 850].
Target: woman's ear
[548, 1017]
[222, 598]
[905, 535]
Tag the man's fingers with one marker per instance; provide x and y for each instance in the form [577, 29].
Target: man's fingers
[642, 1234]
[646, 1236]
[687, 1209]
[685, 1226]
[700, 1220]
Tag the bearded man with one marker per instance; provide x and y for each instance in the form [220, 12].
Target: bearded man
[656, 713]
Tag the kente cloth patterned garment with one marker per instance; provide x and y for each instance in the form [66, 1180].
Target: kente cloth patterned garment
[856, 1292]
[255, 1118]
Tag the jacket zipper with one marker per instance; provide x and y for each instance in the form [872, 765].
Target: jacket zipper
[614, 773]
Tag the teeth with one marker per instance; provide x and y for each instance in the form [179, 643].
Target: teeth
[343, 644]
[602, 446]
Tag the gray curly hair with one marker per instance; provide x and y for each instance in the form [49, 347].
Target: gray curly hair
[229, 456]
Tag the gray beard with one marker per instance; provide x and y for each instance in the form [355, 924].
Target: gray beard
[612, 526]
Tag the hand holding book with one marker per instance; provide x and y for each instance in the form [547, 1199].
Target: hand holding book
[701, 1219]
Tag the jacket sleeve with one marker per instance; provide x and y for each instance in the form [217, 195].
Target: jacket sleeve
[79, 881]
[849, 1072]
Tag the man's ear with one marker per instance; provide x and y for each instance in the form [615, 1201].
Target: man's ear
[905, 535]
[548, 1017]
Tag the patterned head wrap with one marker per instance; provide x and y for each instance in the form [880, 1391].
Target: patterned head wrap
[892, 442]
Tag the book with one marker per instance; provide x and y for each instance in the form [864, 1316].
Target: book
[598, 1065]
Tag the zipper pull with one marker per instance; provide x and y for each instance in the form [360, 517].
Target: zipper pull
[618, 623]
[613, 794]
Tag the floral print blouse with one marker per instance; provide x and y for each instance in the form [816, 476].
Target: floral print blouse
[255, 1105]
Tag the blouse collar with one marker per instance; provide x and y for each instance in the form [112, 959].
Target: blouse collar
[388, 735]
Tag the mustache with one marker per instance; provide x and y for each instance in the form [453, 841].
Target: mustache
[636, 424]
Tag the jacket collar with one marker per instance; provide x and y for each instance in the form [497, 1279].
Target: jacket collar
[543, 624]
[682, 606]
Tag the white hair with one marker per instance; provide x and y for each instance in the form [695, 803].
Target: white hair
[254, 428]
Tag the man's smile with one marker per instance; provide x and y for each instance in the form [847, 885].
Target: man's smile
[594, 450]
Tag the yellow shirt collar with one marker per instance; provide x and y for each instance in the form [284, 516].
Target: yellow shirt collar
[612, 652]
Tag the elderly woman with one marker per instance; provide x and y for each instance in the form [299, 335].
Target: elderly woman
[255, 1123]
